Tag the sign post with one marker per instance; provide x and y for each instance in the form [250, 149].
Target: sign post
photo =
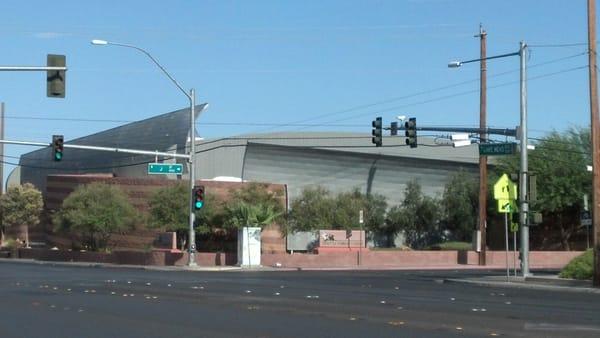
[505, 192]
[361, 220]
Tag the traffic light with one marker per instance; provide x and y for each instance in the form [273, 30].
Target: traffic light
[411, 132]
[394, 128]
[377, 137]
[57, 147]
[198, 196]
[55, 79]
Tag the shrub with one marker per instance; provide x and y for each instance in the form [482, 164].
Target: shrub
[581, 267]
[95, 211]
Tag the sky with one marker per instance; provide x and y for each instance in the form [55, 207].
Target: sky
[269, 65]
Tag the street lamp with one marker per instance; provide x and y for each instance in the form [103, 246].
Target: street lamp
[192, 98]
[523, 203]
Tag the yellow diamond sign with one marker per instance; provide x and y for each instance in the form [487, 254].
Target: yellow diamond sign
[505, 189]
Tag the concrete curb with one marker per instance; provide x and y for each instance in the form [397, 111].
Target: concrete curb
[122, 266]
[521, 283]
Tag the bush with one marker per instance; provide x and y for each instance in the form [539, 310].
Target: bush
[581, 267]
[95, 211]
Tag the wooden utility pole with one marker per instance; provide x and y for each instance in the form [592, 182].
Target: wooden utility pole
[595, 136]
[482, 138]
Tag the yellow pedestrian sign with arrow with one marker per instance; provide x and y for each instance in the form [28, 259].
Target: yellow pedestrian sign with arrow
[505, 192]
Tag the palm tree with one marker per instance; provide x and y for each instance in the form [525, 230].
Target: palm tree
[242, 214]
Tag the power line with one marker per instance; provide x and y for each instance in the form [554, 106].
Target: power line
[559, 45]
[360, 107]
[440, 98]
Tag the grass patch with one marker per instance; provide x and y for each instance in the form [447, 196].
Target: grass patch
[581, 267]
[449, 246]
[402, 248]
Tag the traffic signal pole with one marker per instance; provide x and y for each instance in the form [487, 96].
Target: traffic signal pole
[109, 149]
[523, 202]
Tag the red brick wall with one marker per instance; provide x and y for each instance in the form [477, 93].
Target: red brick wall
[414, 259]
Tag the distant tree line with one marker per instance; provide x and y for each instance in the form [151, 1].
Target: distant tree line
[424, 220]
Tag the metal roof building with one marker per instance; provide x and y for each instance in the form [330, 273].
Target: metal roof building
[338, 161]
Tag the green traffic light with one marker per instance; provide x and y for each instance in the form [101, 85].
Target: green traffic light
[199, 204]
[57, 156]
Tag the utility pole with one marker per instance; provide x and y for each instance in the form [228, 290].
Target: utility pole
[591, 9]
[483, 138]
[523, 202]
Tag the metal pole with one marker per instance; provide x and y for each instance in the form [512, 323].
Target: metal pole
[593, 84]
[506, 245]
[483, 138]
[192, 233]
[29, 68]
[514, 253]
[2, 120]
[524, 206]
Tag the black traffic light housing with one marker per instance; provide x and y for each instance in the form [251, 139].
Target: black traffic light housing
[198, 197]
[394, 128]
[411, 132]
[55, 79]
[377, 135]
[57, 147]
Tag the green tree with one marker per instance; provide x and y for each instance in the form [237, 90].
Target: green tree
[95, 212]
[312, 210]
[21, 206]
[559, 163]
[347, 208]
[259, 194]
[170, 210]
[417, 217]
[460, 203]
[253, 205]
[316, 208]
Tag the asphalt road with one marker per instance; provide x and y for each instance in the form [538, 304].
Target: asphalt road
[58, 301]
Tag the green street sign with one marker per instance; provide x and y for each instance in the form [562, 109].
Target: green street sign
[164, 168]
[507, 148]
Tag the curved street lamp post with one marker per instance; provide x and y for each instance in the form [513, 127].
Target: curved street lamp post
[192, 98]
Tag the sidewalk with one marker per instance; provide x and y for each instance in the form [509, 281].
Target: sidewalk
[120, 266]
[548, 282]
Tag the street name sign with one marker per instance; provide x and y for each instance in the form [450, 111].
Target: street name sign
[506, 148]
[164, 168]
